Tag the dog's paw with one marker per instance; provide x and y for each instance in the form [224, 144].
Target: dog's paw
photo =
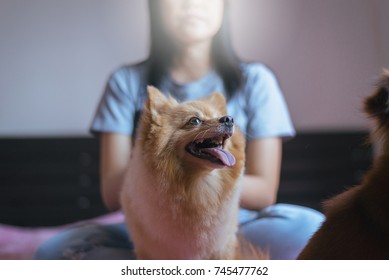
[377, 105]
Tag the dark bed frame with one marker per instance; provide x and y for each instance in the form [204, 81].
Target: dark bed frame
[52, 181]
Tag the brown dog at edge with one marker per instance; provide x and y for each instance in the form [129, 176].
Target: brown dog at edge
[357, 221]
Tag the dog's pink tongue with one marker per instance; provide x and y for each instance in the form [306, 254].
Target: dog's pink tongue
[225, 157]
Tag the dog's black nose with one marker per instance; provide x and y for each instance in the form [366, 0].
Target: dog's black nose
[227, 121]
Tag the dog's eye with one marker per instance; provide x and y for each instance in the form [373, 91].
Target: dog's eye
[195, 121]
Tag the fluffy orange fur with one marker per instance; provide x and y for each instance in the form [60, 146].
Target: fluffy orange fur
[357, 221]
[178, 206]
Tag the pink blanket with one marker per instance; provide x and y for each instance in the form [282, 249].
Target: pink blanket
[19, 243]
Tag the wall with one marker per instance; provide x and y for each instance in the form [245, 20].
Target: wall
[383, 25]
[56, 56]
[324, 53]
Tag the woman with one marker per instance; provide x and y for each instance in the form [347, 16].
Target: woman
[190, 57]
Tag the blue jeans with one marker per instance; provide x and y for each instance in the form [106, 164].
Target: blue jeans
[281, 229]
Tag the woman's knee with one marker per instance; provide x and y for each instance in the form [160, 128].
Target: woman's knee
[286, 217]
[283, 229]
[305, 217]
[86, 242]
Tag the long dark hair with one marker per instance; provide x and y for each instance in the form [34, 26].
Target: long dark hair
[162, 50]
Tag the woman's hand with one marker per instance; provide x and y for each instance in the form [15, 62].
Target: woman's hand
[261, 180]
[115, 151]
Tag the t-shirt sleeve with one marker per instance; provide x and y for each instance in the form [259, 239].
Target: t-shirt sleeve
[267, 111]
[117, 108]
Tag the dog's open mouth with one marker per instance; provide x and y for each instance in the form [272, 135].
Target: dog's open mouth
[212, 149]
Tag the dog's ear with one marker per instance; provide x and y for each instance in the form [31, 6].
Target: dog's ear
[156, 99]
[377, 104]
[157, 102]
[217, 100]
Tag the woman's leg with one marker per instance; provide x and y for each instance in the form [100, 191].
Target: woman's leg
[88, 242]
[282, 229]
[18, 242]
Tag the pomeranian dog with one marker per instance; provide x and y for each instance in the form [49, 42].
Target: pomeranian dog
[357, 220]
[181, 192]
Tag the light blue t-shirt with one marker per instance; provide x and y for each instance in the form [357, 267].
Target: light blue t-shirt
[258, 107]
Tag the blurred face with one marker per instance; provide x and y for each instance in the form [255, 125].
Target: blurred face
[192, 21]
